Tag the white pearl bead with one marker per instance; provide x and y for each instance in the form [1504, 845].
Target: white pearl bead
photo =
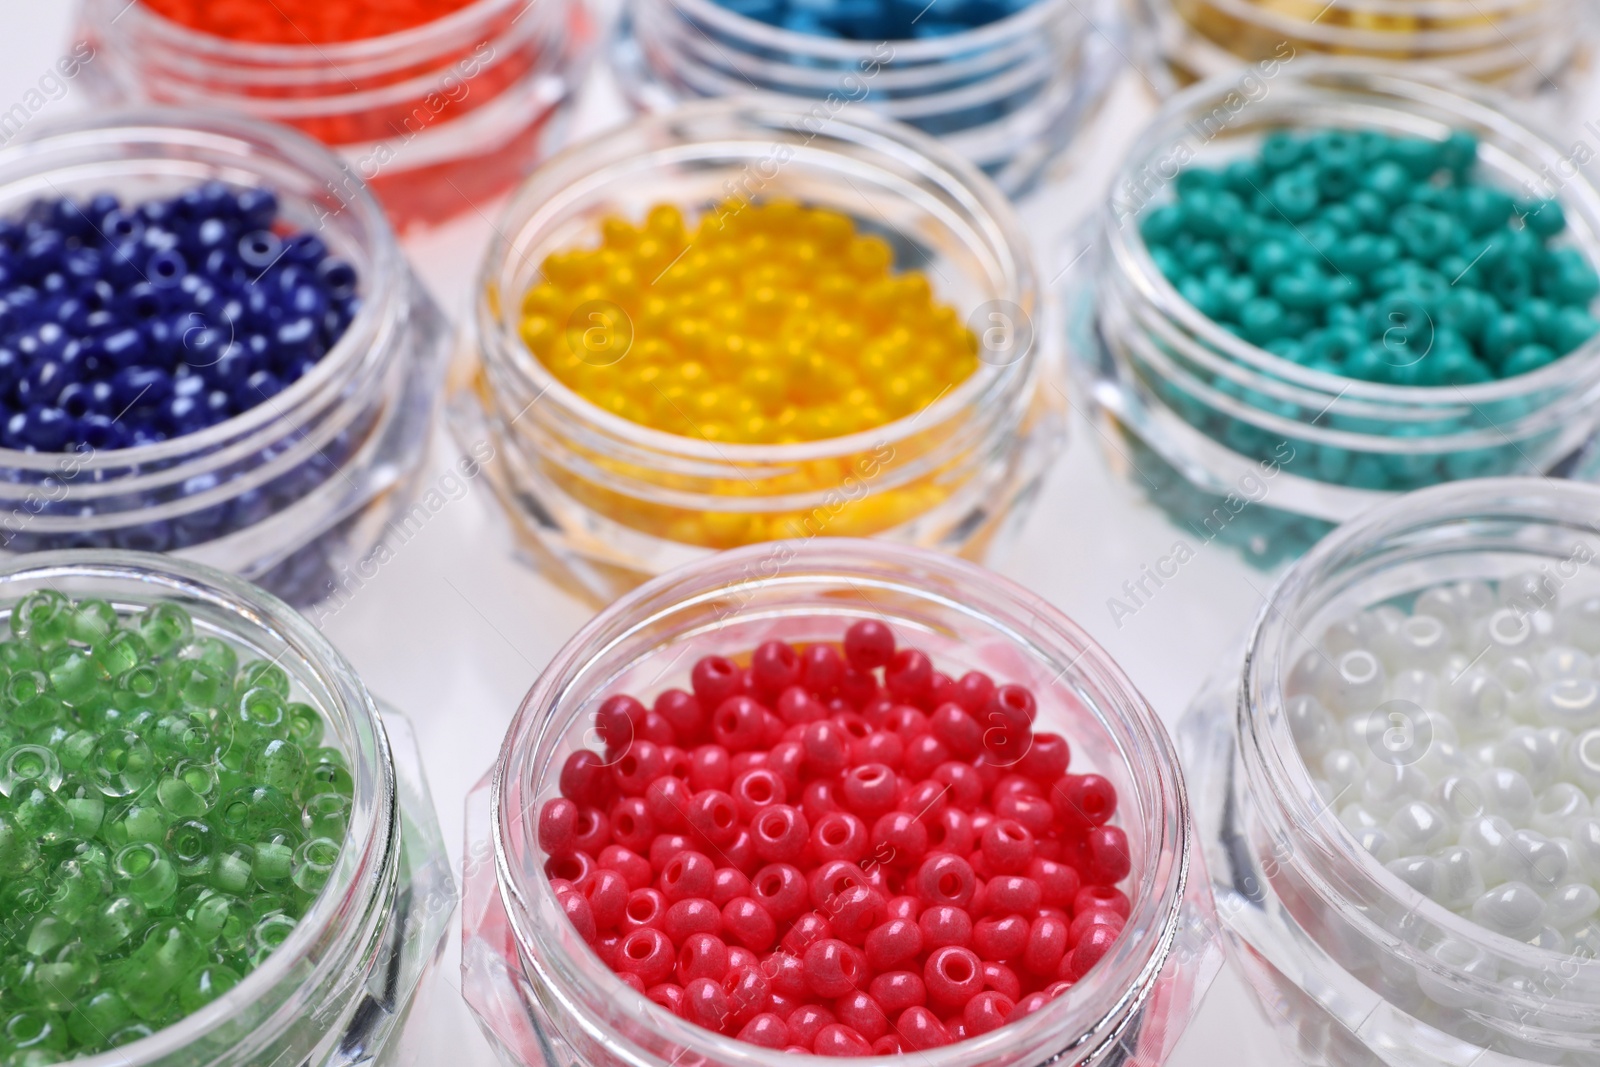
[1455, 958]
[1506, 793]
[1357, 683]
[1558, 809]
[1377, 844]
[1421, 640]
[1505, 633]
[1460, 798]
[1313, 728]
[1530, 591]
[1478, 703]
[1357, 818]
[1532, 859]
[1582, 621]
[1460, 881]
[1325, 791]
[1549, 939]
[1486, 836]
[1564, 661]
[1531, 754]
[1308, 675]
[1585, 939]
[1585, 840]
[1572, 702]
[1521, 682]
[1443, 759]
[1419, 872]
[1342, 769]
[1415, 685]
[1513, 909]
[1351, 632]
[1418, 827]
[1572, 905]
[1582, 763]
[1386, 788]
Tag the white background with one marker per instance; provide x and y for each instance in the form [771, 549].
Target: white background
[454, 630]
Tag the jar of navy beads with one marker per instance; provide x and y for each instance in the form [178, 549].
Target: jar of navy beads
[878, 632]
[210, 347]
[1348, 285]
[215, 851]
[437, 106]
[1398, 795]
[1004, 83]
[710, 328]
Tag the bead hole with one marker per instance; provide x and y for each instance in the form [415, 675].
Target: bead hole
[956, 968]
[774, 825]
[641, 909]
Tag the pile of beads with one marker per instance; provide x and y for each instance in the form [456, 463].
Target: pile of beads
[768, 324]
[129, 325]
[1459, 742]
[297, 22]
[166, 816]
[1378, 258]
[876, 20]
[840, 854]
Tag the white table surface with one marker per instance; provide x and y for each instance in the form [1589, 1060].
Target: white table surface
[454, 630]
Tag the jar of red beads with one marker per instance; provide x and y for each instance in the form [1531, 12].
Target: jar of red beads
[1396, 790]
[183, 945]
[439, 105]
[716, 327]
[119, 304]
[925, 813]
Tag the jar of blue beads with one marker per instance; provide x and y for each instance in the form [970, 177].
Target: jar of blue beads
[1004, 83]
[210, 344]
[1344, 286]
[216, 850]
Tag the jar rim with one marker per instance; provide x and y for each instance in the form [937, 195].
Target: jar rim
[366, 856]
[166, 127]
[1103, 1008]
[574, 164]
[1270, 746]
[1374, 78]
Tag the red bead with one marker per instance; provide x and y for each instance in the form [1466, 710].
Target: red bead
[856, 912]
[880, 746]
[667, 801]
[831, 879]
[895, 991]
[787, 759]
[1081, 923]
[893, 944]
[646, 908]
[957, 729]
[591, 831]
[920, 1029]
[780, 834]
[838, 835]
[906, 721]
[944, 878]
[818, 798]
[668, 994]
[572, 870]
[1033, 812]
[1007, 846]
[797, 707]
[1103, 898]
[756, 790]
[1083, 800]
[786, 974]
[607, 893]
[862, 1014]
[715, 679]
[614, 719]
[925, 800]
[714, 817]
[806, 931]
[838, 1040]
[1000, 938]
[774, 666]
[1027, 1006]
[908, 675]
[985, 1012]
[781, 889]
[806, 1022]
[696, 915]
[953, 976]
[1012, 894]
[648, 953]
[1014, 702]
[1058, 882]
[745, 921]
[636, 768]
[710, 767]
[705, 1004]
[869, 790]
[1001, 979]
[765, 1030]
[628, 863]
[868, 644]
[668, 847]
[740, 957]
[876, 711]
[585, 779]
[1046, 759]
[973, 691]
[945, 924]
[899, 839]
[1096, 942]
[951, 832]
[576, 907]
[924, 753]
[941, 690]
[687, 875]
[904, 907]
[631, 825]
[749, 994]
[702, 956]
[605, 946]
[888, 1045]
[683, 712]
[737, 724]
[834, 968]
[772, 729]
[1106, 849]
[966, 788]
[821, 669]
[827, 748]
[677, 763]
[654, 728]
[1047, 943]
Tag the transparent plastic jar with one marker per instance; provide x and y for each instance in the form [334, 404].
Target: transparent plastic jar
[544, 998]
[283, 494]
[1354, 966]
[602, 503]
[436, 119]
[340, 989]
[1251, 449]
[1521, 46]
[1008, 96]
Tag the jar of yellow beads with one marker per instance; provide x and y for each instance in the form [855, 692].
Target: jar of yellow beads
[1522, 46]
[731, 324]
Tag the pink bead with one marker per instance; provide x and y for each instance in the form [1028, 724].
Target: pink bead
[827, 748]
[558, 826]
[1083, 800]
[702, 956]
[740, 957]
[742, 854]
[781, 889]
[838, 835]
[1014, 702]
[728, 883]
[868, 645]
[879, 746]
[774, 666]
[893, 944]
[605, 946]
[746, 922]
[1047, 943]
[973, 691]
[797, 707]
[966, 788]
[1109, 861]
[786, 973]
[869, 790]
[667, 800]
[749, 994]
[648, 953]
[1033, 812]
[876, 711]
[941, 690]
[834, 968]
[631, 824]
[920, 1029]
[682, 711]
[667, 847]
[908, 722]
[607, 894]
[756, 790]
[636, 768]
[575, 868]
[1094, 945]
[806, 1022]
[908, 676]
[818, 798]
[904, 907]
[686, 875]
[1046, 759]
[953, 976]
[1012, 894]
[715, 679]
[895, 991]
[1081, 923]
[1001, 979]
[577, 910]
[944, 878]
[765, 1030]
[628, 863]
[780, 834]
[925, 801]
[1103, 898]
[710, 767]
[714, 817]
[653, 728]
[862, 1014]
[856, 912]
[924, 753]
[696, 915]
[737, 724]
[1027, 1006]
[888, 1045]
[821, 669]
[945, 924]
[951, 832]
[899, 839]
[837, 1040]
[586, 780]
[591, 832]
[806, 931]
[1058, 882]
[832, 878]
[1007, 846]
[646, 908]
[614, 719]
[858, 688]
[1000, 938]
[1011, 784]
[957, 729]
[986, 1012]
[667, 994]
[705, 1004]
[787, 760]
[632, 982]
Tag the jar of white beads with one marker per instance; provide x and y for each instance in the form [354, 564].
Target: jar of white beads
[1400, 792]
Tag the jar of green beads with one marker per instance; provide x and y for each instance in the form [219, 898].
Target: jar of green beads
[213, 851]
[1340, 287]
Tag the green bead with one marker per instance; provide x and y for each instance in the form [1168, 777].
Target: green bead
[1572, 329]
[1504, 334]
[165, 628]
[1281, 150]
[95, 1017]
[43, 619]
[1163, 223]
[121, 764]
[202, 986]
[38, 813]
[231, 868]
[276, 763]
[121, 652]
[269, 932]
[314, 861]
[144, 872]
[247, 813]
[1295, 195]
[19, 852]
[274, 861]
[326, 776]
[306, 725]
[114, 923]
[1543, 217]
[326, 815]
[35, 1030]
[192, 844]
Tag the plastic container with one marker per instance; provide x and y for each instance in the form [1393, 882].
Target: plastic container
[290, 491]
[1522, 46]
[1242, 446]
[545, 999]
[1354, 966]
[340, 988]
[1008, 96]
[602, 504]
[437, 119]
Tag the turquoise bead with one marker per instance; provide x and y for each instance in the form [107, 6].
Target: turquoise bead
[1528, 358]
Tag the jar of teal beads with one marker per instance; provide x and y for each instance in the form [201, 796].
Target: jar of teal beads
[1333, 286]
[1005, 84]
[213, 850]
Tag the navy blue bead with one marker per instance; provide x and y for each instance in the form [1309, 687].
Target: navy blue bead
[260, 249]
